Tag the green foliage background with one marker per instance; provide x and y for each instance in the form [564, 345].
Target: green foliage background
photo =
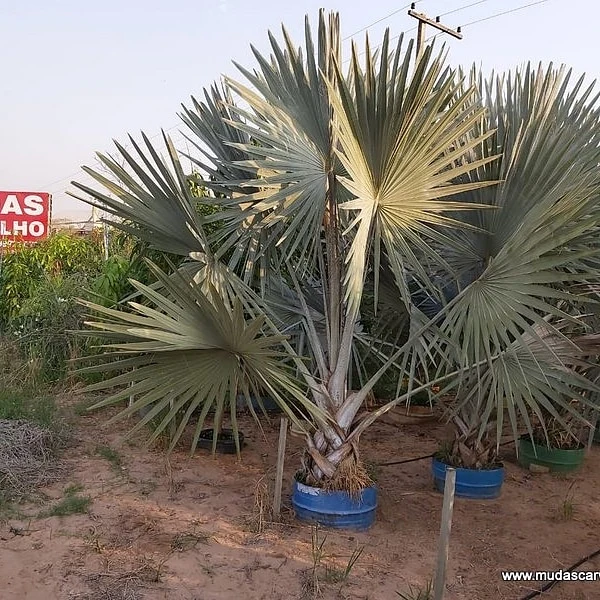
[41, 285]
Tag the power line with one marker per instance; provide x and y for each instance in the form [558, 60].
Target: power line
[459, 9]
[68, 177]
[424, 21]
[395, 12]
[379, 45]
[500, 14]
[79, 172]
[506, 12]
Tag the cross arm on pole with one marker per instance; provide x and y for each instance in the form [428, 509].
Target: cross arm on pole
[434, 23]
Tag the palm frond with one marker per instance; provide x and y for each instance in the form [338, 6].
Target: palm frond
[404, 141]
[214, 137]
[192, 353]
[522, 265]
[290, 147]
[538, 378]
[150, 193]
[548, 145]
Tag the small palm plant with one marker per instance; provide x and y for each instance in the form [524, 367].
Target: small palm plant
[519, 329]
[342, 195]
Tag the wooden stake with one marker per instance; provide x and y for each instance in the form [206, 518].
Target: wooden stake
[283, 428]
[595, 423]
[444, 543]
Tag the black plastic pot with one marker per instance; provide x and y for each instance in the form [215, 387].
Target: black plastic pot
[225, 440]
[268, 403]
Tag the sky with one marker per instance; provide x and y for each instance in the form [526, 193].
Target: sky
[74, 75]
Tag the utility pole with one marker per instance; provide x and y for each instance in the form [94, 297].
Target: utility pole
[424, 20]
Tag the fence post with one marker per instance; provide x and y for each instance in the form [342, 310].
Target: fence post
[283, 427]
[446, 526]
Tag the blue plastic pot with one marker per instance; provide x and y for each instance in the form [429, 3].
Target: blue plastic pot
[480, 484]
[335, 509]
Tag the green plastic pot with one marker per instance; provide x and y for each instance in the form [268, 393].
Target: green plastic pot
[559, 461]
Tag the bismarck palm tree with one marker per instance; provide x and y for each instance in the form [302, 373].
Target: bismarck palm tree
[335, 188]
[528, 267]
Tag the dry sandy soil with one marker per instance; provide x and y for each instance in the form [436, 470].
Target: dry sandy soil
[189, 528]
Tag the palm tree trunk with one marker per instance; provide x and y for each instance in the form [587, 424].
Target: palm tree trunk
[334, 274]
[322, 465]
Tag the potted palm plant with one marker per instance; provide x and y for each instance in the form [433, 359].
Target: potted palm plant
[555, 432]
[479, 470]
[331, 187]
[558, 447]
[524, 275]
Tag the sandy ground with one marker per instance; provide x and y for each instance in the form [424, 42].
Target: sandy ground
[189, 528]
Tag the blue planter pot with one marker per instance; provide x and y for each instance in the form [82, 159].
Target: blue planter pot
[335, 509]
[482, 484]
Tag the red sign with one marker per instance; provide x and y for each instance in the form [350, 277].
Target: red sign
[24, 216]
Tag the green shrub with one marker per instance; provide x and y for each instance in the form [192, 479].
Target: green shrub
[70, 505]
[25, 404]
[43, 327]
[40, 285]
[112, 283]
[24, 266]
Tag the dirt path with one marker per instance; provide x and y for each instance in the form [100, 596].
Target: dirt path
[189, 529]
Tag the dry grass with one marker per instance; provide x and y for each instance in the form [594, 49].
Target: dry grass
[112, 586]
[417, 593]
[351, 476]
[14, 371]
[566, 508]
[182, 542]
[325, 569]
[262, 513]
[27, 458]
